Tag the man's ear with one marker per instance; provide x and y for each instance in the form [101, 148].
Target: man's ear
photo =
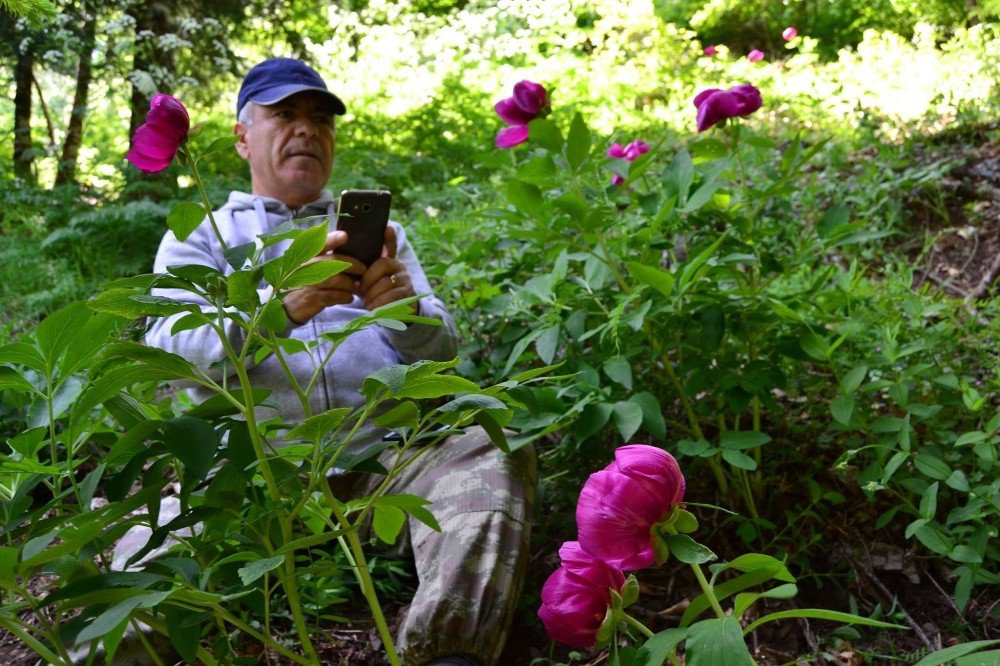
[242, 148]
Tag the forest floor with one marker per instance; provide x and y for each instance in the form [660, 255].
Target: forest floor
[858, 567]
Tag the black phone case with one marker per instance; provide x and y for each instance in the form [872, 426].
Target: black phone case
[363, 214]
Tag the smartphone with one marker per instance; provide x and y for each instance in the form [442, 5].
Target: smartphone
[363, 214]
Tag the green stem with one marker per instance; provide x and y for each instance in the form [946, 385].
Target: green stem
[631, 621]
[33, 643]
[360, 566]
[707, 590]
[204, 200]
[262, 639]
[748, 492]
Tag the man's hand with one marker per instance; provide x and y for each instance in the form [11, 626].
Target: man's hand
[386, 280]
[304, 303]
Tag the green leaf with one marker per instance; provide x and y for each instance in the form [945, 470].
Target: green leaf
[526, 197]
[221, 143]
[932, 466]
[657, 278]
[743, 440]
[435, 386]
[546, 133]
[970, 438]
[111, 618]
[473, 401]
[850, 382]
[681, 170]
[954, 652]
[835, 217]
[692, 269]
[391, 377]
[965, 555]
[577, 142]
[592, 418]
[388, 522]
[547, 343]
[258, 568]
[687, 550]
[57, 331]
[739, 459]
[314, 273]
[841, 408]
[403, 415]
[21, 353]
[193, 442]
[493, 429]
[315, 427]
[628, 418]
[822, 614]
[701, 196]
[306, 246]
[273, 317]
[241, 288]
[11, 379]
[814, 345]
[184, 218]
[619, 370]
[655, 650]
[928, 501]
[716, 642]
[652, 414]
[237, 255]
[414, 506]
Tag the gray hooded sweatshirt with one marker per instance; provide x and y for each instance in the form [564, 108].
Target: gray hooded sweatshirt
[241, 220]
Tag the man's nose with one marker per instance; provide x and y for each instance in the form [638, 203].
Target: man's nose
[306, 126]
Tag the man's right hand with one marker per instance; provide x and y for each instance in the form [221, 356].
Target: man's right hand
[304, 303]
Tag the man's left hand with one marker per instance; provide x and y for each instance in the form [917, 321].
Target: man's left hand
[386, 280]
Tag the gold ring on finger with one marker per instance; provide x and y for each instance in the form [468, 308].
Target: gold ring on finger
[393, 280]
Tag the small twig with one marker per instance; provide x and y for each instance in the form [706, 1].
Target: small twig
[984, 284]
[946, 284]
[889, 596]
[951, 602]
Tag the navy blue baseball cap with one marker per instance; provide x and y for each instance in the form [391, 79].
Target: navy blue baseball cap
[276, 78]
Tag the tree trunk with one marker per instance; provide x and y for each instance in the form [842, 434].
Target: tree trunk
[66, 172]
[155, 18]
[22, 116]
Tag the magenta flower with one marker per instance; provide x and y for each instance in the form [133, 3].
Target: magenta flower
[716, 105]
[628, 153]
[709, 50]
[156, 142]
[575, 597]
[620, 505]
[789, 34]
[529, 101]
[755, 56]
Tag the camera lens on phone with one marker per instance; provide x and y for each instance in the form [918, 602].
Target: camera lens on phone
[366, 208]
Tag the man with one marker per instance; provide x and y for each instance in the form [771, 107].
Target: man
[470, 573]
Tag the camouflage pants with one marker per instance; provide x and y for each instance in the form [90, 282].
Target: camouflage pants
[470, 574]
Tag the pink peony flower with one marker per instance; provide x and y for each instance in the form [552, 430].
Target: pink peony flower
[629, 153]
[716, 105]
[620, 505]
[755, 56]
[156, 141]
[710, 50]
[576, 596]
[529, 101]
[789, 34]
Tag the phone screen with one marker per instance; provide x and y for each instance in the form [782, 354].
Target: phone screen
[363, 214]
